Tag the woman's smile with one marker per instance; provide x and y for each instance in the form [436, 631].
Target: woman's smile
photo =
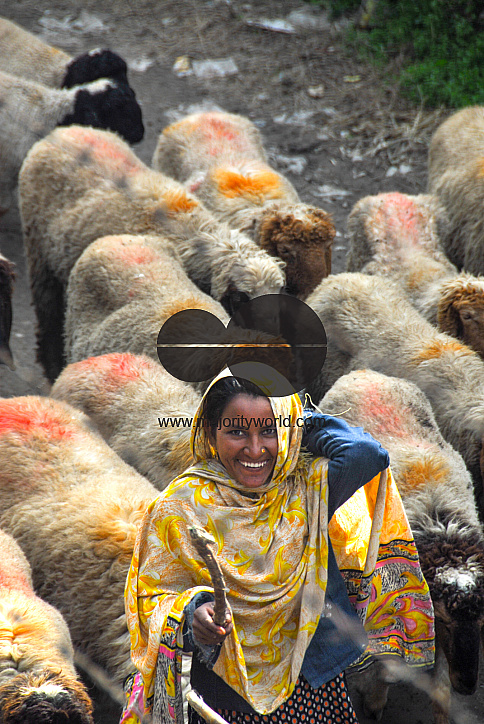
[246, 440]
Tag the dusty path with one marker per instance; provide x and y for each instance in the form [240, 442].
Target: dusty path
[326, 120]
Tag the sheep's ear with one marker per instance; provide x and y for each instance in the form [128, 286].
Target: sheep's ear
[448, 319]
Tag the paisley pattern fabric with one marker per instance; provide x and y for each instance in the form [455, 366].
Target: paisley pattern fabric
[273, 551]
[392, 599]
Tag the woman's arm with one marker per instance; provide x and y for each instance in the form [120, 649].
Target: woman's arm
[355, 457]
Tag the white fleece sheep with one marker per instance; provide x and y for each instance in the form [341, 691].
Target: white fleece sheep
[141, 411]
[220, 158]
[7, 276]
[438, 496]
[38, 681]
[79, 184]
[74, 507]
[29, 111]
[122, 290]
[398, 237]
[455, 175]
[371, 324]
[25, 55]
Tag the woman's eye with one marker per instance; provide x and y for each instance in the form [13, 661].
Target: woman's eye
[270, 431]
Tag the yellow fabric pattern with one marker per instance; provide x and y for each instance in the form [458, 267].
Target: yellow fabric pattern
[273, 553]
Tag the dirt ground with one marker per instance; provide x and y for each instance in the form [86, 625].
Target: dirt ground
[328, 123]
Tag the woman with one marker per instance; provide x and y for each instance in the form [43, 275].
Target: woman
[268, 507]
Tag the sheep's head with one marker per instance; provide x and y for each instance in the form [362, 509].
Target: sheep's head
[461, 311]
[302, 236]
[453, 565]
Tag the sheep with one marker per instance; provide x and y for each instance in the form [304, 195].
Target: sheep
[74, 507]
[79, 184]
[29, 111]
[437, 493]
[455, 175]
[397, 236]
[122, 290]
[38, 681]
[141, 411]
[25, 55]
[220, 157]
[370, 323]
[7, 276]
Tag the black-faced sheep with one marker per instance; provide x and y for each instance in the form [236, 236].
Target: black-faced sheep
[141, 411]
[79, 184]
[221, 159]
[38, 681]
[370, 324]
[456, 176]
[25, 55]
[7, 276]
[29, 111]
[438, 496]
[74, 507]
[397, 236]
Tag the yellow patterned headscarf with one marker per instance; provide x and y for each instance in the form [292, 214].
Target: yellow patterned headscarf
[272, 550]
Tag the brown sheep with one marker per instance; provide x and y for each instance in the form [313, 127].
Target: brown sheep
[455, 176]
[141, 411]
[397, 236]
[437, 493]
[370, 324]
[79, 184]
[74, 507]
[7, 276]
[38, 681]
[221, 159]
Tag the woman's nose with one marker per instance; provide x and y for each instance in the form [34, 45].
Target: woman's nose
[255, 446]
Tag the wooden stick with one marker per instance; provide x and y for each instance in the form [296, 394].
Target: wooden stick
[203, 709]
[202, 540]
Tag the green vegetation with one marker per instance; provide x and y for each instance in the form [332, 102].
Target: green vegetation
[433, 48]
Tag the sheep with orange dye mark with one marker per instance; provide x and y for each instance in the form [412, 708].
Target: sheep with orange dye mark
[397, 236]
[371, 324]
[38, 680]
[142, 411]
[221, 159]
[79, 184]
[122, 290]
[75, 508]
[456, 177]
[438, 496]
[7, 276]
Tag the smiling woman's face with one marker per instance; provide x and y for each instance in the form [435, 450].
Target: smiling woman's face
[246, 440]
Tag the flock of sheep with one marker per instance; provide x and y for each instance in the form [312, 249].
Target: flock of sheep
[114, 248]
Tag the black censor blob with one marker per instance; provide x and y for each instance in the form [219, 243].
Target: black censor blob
[275, 341]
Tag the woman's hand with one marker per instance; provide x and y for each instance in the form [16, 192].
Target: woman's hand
[205, 631]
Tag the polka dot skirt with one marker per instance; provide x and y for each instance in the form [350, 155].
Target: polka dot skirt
[329, 704]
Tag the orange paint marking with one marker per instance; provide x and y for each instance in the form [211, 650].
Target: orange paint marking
[261, 184]
[17, 417]
[107, 152]
[177, 202]
[14, 580]
[187, 303]
[437, 348]
[401, 220]
[430, 471]
[134, 254]
[118, 368]
[386, 418]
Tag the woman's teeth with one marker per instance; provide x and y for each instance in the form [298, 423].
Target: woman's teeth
[253, 465]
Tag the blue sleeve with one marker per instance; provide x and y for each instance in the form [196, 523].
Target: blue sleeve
[355, 457]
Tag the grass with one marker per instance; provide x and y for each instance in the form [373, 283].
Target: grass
[433, 49]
